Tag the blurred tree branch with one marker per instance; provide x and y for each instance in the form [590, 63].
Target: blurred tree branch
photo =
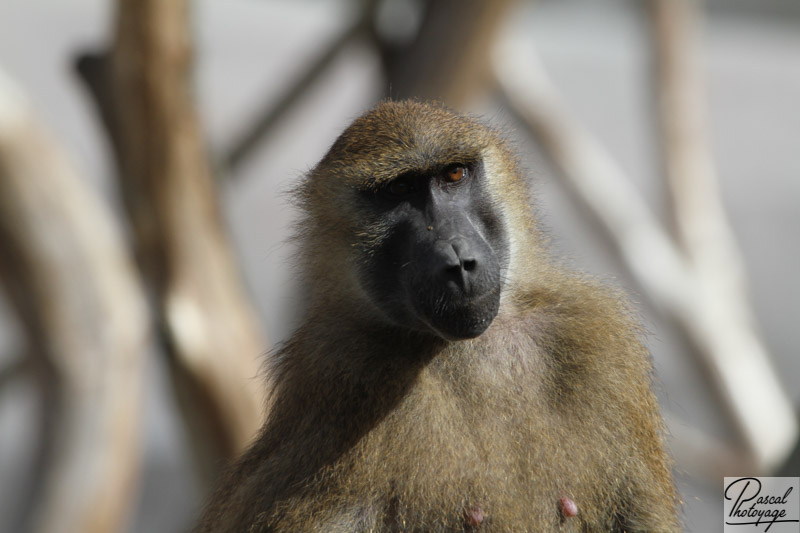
[143, 89]
[14, 369]
[448, 57]
[697, 282]
[76, 292]
[272, 111]
[736, 355]
[436, 63]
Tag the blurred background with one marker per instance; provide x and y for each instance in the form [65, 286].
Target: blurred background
[144, 267]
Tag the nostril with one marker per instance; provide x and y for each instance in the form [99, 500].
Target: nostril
[453, 269]
[460, 269]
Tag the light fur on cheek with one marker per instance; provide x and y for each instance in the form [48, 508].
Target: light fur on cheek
[498, 180]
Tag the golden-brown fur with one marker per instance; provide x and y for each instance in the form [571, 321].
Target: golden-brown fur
[374, 428]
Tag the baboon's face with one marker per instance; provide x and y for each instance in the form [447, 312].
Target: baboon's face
[441, 252]
[408, 202]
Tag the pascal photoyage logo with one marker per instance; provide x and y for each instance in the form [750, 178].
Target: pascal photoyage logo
[762, 504]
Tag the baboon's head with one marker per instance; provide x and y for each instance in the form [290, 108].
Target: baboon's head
[412, 208]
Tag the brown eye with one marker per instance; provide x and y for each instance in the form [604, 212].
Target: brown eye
[400, 187]
[455, 174]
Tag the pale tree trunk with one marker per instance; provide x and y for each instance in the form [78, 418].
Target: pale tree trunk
[735, 354]
[75, 288]
[144, 89]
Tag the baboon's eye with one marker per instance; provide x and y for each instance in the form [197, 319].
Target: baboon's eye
[400, 187]
[455, 173]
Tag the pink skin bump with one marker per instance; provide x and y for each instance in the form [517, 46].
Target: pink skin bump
[568, 507]
[475, 516]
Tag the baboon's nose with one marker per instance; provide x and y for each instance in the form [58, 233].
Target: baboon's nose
[456, 262]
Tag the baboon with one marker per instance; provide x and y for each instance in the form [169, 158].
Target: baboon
[448, 375]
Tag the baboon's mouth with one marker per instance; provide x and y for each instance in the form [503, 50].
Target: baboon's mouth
[464, 319]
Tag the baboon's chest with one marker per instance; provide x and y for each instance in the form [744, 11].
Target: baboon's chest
[448, 464]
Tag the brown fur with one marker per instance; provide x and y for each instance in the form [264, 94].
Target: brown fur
[375, 429]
